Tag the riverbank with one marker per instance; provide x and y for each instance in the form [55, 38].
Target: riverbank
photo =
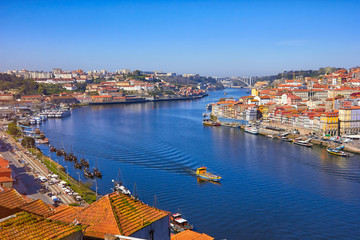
[83, 189]
[144, 100]
[44, 165]
[266, 132]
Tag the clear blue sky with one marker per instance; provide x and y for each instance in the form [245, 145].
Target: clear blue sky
[217, 38]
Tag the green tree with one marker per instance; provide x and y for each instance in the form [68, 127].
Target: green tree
[136, 72]
[13, 130]
[28, 142]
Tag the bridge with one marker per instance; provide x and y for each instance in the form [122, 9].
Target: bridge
[247, 80]
[228, 82]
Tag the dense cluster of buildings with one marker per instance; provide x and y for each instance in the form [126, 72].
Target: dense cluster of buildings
[57, 75]
[326, 105]
[120, 86]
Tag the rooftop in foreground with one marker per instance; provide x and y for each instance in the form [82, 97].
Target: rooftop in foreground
[29, 226]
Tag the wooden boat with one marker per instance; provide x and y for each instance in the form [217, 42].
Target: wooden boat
[209, 122]
[97, 172]
[59, 152]
[67, 157]
[179, 224]
[336, 152]
[87, 173]
[84, 162]
[285, 139]
[52, 149]
[204, 174]
[77, 165]
[303, 143]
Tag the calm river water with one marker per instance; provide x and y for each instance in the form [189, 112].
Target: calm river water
[270, 189]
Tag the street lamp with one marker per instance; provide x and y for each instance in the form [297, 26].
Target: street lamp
[67, 172]
[79, 177]
[96, 188]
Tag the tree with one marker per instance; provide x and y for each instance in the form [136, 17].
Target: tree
[13, 130]
[136, 72]
[28, 142]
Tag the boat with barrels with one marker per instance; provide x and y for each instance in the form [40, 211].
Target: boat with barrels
[87, 173]
[84, 162]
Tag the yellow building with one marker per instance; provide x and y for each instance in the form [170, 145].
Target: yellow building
[344, 118]
[329, 123]
[254, 92]
[349, 118]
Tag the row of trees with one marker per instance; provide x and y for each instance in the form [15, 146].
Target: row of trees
[24, 86]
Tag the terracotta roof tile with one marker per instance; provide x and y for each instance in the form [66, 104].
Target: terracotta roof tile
[29, 226]
[115, 213]
[5, 179]
[12, 199]
[191, 235]
[38, 207]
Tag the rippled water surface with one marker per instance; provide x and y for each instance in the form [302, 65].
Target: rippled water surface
[270, 189]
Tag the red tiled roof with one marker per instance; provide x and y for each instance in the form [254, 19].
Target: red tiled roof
[38, 207]
[5, 179]
[4, 169]
[12, 199]
[28, 226]
[102, 96]
[114, 213]
[191, 235]
[4, 162]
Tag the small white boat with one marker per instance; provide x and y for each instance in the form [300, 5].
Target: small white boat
[121, 188]
[252, 130]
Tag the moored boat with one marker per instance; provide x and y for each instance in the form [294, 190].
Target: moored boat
[97, 173]
[252, 130]
[179, 224]
[84, 162]
[209, 122]
[336, 152]
[303, 143]
[87, 173]
[77, 165]
[118, 186]
[204, 174]
[281, 138]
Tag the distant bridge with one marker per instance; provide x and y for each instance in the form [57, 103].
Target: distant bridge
[247, 80]
[228, 82]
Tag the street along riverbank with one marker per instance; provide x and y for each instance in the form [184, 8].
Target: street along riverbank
[43, 165]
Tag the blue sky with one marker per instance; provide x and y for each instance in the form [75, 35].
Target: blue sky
[213, 38]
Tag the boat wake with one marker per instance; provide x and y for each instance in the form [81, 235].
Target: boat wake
[149, 153]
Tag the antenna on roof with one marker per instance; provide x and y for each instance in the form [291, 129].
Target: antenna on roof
[135, 194]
